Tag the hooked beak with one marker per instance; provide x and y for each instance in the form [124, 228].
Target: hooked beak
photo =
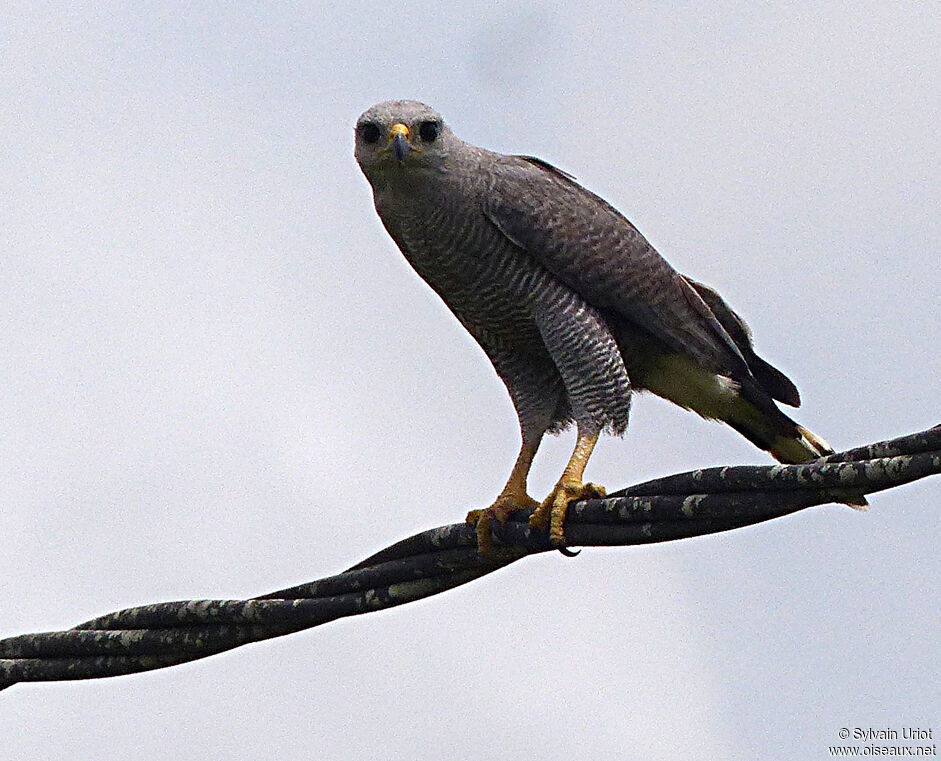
[399, 141]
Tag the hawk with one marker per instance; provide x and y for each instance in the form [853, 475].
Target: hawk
[570, 303]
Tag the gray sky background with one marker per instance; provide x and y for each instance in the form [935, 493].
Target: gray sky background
[218, 376]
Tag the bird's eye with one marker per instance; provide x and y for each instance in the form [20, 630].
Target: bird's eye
[370, 132]
[428, 131]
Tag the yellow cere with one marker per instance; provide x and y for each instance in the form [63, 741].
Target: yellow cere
[399, 129]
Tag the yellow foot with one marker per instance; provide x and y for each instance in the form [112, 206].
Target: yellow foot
[553, 508]
[501, 509]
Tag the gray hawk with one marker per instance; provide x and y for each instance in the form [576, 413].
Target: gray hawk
[571, 304]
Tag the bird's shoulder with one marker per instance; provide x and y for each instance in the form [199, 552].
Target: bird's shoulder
[519, 178]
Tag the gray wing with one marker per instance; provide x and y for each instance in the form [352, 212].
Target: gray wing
[590, 246]
[773, 380]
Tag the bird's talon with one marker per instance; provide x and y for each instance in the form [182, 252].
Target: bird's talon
[552, 511]
[593, 491]
[502, 508]
[484, 533]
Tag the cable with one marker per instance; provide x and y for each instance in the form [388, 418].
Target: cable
[689, 504]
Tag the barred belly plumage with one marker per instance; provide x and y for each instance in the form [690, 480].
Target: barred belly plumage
[488, 284]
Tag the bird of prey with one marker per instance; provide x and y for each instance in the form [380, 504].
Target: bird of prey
[571, 304]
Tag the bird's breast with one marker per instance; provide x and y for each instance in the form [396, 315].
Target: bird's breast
[489, 283]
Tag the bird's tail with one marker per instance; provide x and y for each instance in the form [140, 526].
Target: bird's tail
[748, 408]
[787, 441]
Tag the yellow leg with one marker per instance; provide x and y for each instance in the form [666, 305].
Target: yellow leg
[513, 497]
[570, 488]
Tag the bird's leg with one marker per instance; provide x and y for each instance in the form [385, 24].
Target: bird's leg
[513, 497]
[570, 488]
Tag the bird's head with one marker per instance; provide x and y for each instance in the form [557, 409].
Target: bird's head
[399, 138]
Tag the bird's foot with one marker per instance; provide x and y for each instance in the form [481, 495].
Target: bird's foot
[552, 511]
[501, 509]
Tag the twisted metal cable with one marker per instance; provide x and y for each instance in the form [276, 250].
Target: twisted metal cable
[688, 504]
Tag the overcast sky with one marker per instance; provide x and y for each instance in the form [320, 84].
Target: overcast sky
[219, 377]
